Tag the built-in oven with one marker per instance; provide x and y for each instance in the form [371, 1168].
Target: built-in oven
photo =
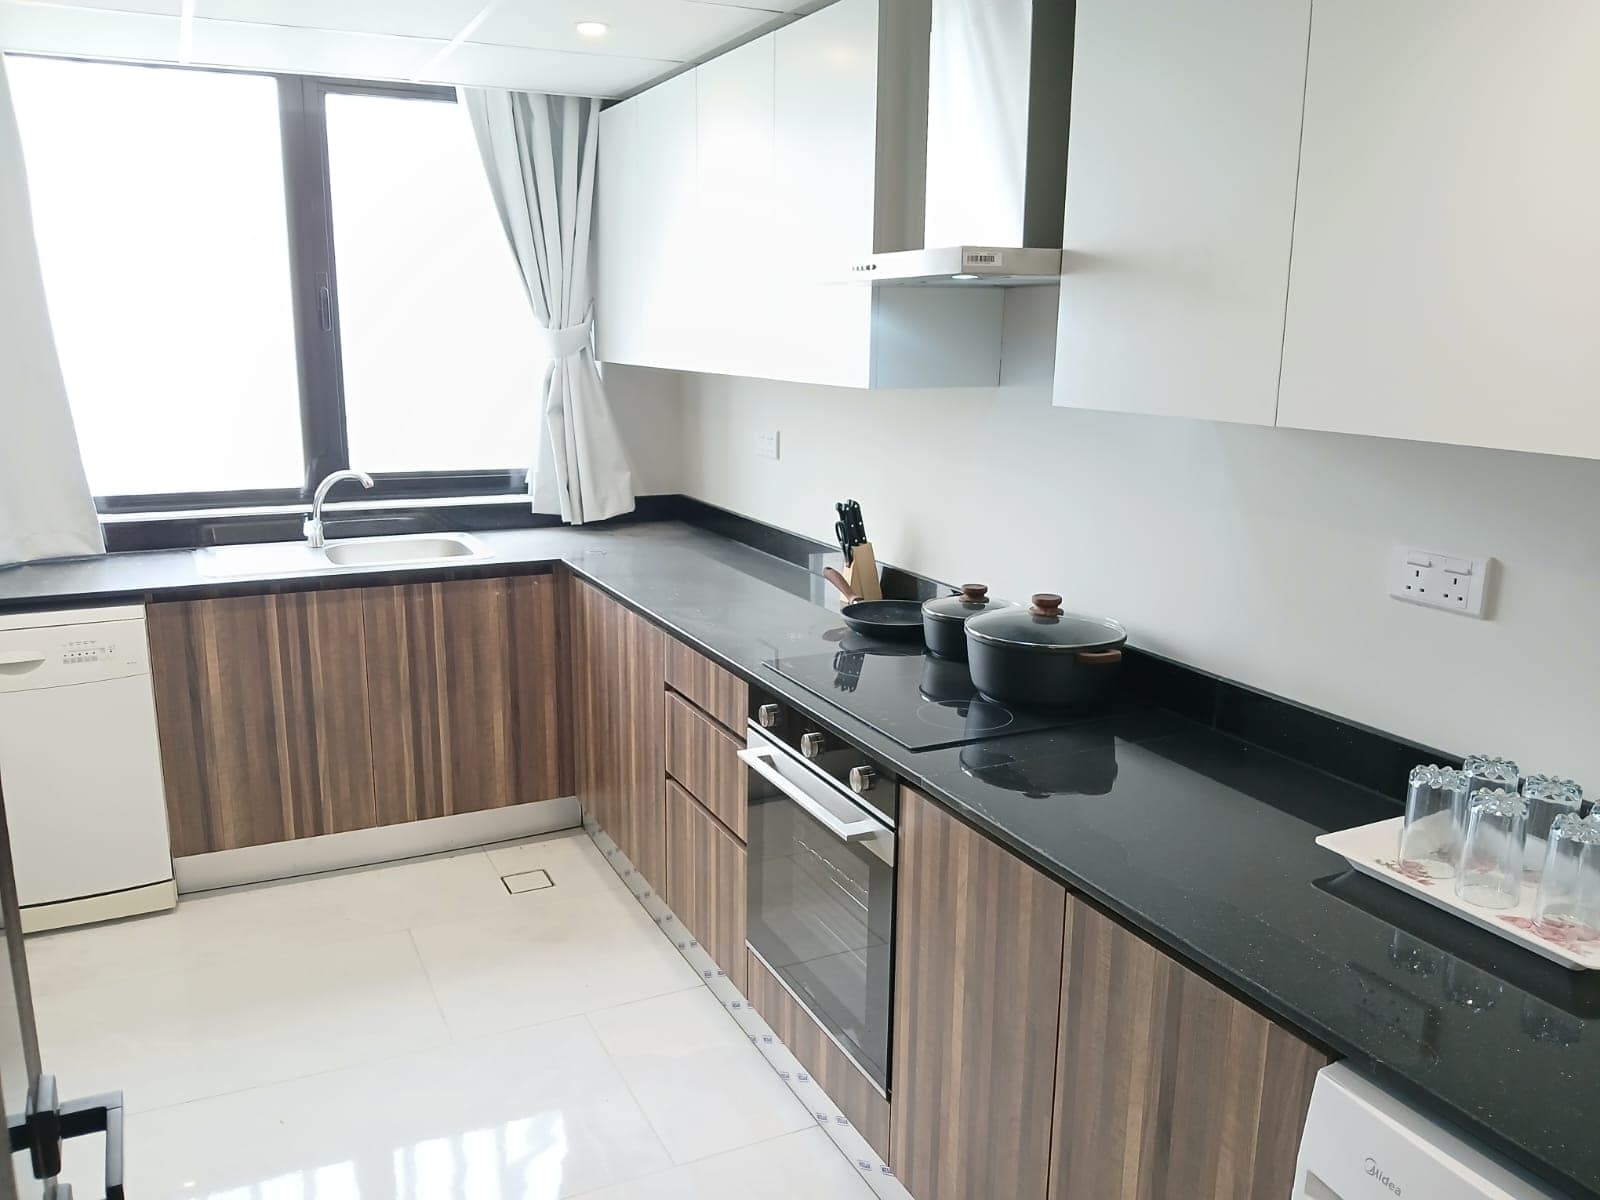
[821, 877]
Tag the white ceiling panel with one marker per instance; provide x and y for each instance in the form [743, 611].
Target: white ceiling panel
[408, 18]
[97, 33]
[477, 65]
[661, 29]
[310, 51]
[777, 6]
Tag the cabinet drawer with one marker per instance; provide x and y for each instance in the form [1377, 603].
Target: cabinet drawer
[705, 761]
[706, 881]
[722, 695]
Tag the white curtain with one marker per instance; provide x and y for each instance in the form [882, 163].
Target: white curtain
[46, 510]
[539, 152]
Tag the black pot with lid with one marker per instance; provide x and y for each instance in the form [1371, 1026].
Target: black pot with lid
[944, 618]
[1043, 657]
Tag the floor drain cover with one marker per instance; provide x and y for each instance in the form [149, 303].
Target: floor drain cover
[527, 881]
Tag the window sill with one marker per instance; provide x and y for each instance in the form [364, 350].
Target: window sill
[401, 503]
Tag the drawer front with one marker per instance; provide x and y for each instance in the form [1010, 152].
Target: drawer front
[704, 759]
[706, 881]
[818, 1053]
[722, 695]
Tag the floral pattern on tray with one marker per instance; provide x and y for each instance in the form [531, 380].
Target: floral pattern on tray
[1568, 937]
[1408, 870]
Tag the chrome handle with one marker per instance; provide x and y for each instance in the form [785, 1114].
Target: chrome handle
[760, 761]
[862, 779]
[768, 715]
[811, 744]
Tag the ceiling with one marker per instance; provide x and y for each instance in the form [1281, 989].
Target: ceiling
[530, 45]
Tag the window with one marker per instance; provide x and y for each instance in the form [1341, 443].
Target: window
[255, 280]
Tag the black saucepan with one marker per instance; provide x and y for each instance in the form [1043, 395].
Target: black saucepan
[1041, 656]
[944, 619]
[895, 620]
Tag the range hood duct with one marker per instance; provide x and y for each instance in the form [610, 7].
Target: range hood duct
[999, 87]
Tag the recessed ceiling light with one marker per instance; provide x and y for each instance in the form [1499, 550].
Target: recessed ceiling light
[963, 278]
[592, 28]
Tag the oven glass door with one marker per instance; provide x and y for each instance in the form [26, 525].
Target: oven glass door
[821, 908]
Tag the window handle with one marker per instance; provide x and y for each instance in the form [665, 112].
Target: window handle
[324, 304]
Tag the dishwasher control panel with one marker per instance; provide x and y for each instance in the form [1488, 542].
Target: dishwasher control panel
[38, 655]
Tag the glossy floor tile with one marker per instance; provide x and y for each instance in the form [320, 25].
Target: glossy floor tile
[538, 1113]
[552, 955]
[696, 1075]
[796, 1166]
[415, 1031]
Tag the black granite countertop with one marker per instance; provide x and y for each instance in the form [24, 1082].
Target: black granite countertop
[1200, 840]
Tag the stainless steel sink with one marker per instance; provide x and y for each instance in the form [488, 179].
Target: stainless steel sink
[405, 548]
[296, 558]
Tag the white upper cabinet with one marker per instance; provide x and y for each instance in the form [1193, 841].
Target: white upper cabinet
[734, 197]
[647, 194]
[1446, 246]
[1180, 205]
[733, 107]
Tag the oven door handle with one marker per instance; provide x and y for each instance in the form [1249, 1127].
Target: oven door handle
[761, 762]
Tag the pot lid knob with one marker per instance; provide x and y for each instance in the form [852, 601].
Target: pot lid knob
[975, 593]
[1046, 604]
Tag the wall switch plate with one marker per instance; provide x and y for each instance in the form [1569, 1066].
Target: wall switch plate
[1453, 582]
[767, 444]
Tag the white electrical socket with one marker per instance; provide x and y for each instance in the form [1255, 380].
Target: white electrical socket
[1452, 582]
[767, 444]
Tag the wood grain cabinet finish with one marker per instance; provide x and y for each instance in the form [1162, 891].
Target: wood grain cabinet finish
[977, 994]
[705, 883]
[1167, 1088]
[295, 714]
[468, 695]
[618, 724]
[819, 1054]
[704, 759]
[263, 716]
[720, 693]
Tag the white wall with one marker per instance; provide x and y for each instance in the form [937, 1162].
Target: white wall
[1259, 554]
[646, 407]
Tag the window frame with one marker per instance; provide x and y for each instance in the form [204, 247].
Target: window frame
[314, 298]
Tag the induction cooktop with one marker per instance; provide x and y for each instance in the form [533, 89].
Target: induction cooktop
[918, 699]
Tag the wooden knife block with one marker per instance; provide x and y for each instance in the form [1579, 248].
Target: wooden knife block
[862, 572]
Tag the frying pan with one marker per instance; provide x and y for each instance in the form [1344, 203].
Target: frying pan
[895, 620]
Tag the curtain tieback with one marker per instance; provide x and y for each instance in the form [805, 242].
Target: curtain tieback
[564, 343]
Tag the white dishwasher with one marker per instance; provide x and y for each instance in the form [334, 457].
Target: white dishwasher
[80, 764]
[1361, 1143]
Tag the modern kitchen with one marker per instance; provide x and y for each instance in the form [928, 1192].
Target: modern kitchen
[780, 599]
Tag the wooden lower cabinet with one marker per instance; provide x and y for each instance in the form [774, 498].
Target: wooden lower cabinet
[293, 714]
[1167, 1088]
[705, 883]
[721, 693]
[705, 760]
[618, 664]
[468, 695]
[262, 708]
[977, 992]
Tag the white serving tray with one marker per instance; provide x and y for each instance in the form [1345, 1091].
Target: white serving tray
[1374, 850]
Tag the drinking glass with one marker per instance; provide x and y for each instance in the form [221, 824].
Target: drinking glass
[1568, 901]
[1430, 840]
[1549, 799]
[1485, 773]
[1490, 875]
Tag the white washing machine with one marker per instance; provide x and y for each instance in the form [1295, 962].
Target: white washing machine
[80, 764]
[1361, 1143]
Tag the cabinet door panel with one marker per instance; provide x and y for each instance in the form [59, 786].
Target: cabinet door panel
[705, 881]
[977, 992]
[1445, 245]
[466, 693]
[262, 708]
[619, 727]
[1182, 179]
[1167, 1088]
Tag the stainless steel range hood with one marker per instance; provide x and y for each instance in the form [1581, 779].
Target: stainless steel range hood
[999, 85]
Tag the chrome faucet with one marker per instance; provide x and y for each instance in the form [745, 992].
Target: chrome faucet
[313, 526]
